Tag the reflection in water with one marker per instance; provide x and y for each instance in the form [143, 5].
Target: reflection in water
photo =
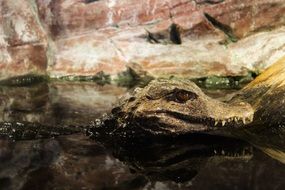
[178, 159]
[23, 103]
[19, 160]
[200, 162]
[46, 110]
[79, 103]
[76, 162]
[57, 103]
[69, 162]
[269, 139]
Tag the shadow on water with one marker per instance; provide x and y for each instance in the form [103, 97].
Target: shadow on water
[30, 160]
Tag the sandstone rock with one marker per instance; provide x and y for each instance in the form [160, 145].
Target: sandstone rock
[108, 35]
[84, 37]
[23, 42]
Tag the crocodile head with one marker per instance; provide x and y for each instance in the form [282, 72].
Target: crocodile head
[177, 107]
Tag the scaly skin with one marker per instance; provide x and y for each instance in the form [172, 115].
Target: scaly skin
[179, 106]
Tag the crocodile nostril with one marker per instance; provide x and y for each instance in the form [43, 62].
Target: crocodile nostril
[131, 99]
[116, 110]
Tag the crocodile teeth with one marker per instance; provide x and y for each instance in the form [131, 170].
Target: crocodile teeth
[251, 118]
[216, 123]
[223, 123]
[243, 120]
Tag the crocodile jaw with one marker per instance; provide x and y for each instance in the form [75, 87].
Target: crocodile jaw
[232, 114]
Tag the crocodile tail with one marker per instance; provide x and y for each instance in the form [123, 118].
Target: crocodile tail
[266, 83]
[273, 76]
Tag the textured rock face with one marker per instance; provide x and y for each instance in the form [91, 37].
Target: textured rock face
[23, 42]
[165, 37]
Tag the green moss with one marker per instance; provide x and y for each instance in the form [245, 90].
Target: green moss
[25, 80]
[100, 78]
[216, 82]
[130, 78]
[222, 82]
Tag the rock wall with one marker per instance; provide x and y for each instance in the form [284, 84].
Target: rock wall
[187, 38]
[23, 41]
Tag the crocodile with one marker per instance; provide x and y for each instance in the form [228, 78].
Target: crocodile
[175, 107]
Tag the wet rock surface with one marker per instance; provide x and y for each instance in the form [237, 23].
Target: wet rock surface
[174, 37]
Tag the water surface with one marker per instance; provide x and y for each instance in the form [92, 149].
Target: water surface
[76, 162]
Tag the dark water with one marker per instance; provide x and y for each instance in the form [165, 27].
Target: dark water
[76, 162]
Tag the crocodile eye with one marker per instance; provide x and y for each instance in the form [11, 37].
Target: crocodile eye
[182, 96]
